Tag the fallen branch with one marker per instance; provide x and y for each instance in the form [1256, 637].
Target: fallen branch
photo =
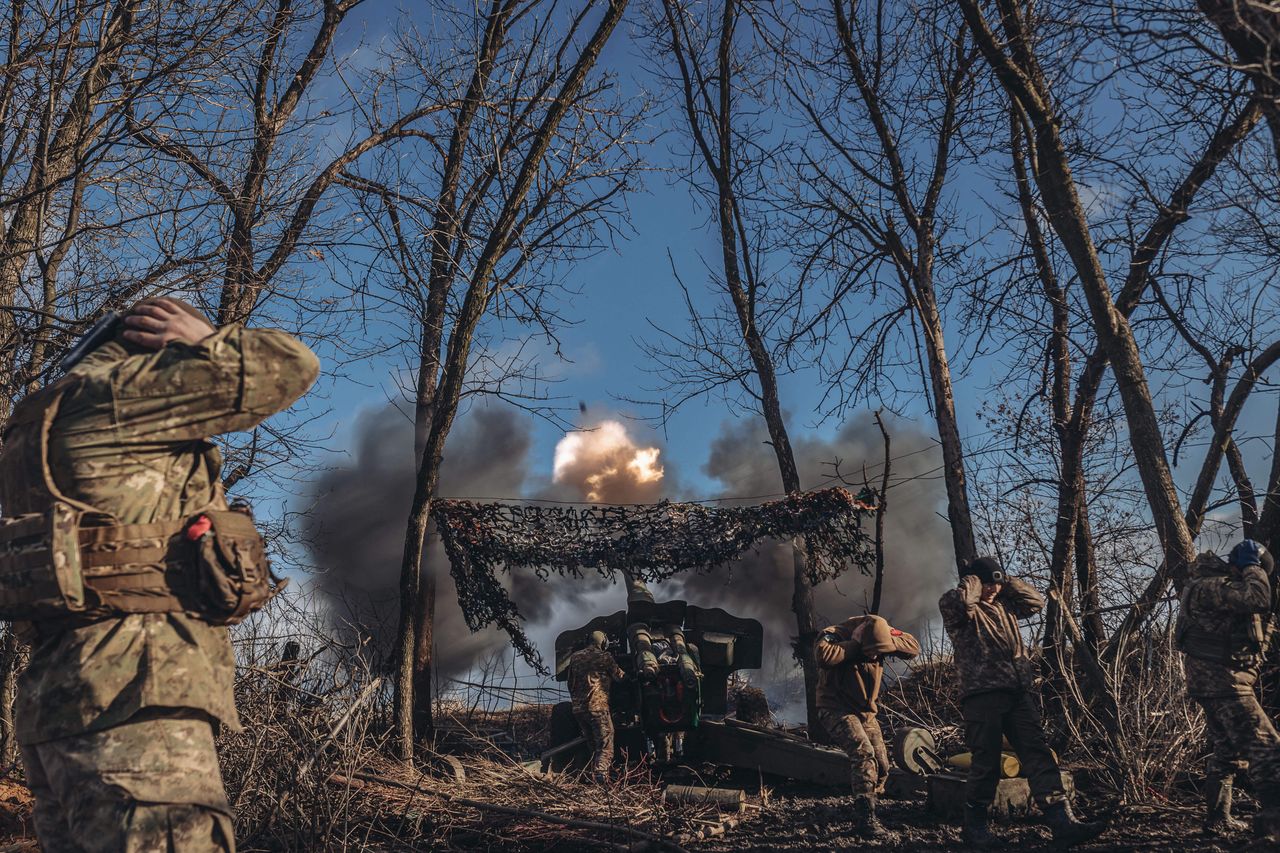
[516, 812]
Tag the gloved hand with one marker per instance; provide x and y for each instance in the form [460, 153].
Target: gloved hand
[971, 589]
[1247, 553]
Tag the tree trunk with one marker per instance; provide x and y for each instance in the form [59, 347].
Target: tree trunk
[958, 512]
[1024, 82]
[882, 506]
[1252, 29]
[417, 600]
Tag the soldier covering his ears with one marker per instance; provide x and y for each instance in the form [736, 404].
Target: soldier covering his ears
[1223, 631]
[850, 659]
[117, 711]
[996, 678]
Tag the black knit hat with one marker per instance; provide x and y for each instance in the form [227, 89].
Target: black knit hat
[987, 569]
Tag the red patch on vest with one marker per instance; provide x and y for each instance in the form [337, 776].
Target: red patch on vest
[199, 528]
[895, 632]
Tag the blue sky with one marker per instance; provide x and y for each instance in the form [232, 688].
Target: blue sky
[622, 289]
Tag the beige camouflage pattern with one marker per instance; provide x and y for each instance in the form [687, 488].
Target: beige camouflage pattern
[1224, 604]
[592, 672]
[1242, 737]
[989, 652]
[110, 791]
[116, 718]
[131, 441]
[860, 737]
[1232, 605]
[597, 727]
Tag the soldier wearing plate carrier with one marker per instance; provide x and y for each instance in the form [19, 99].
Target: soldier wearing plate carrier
[118, 549]
[850, 659]
[1224, 628]
[996, 679]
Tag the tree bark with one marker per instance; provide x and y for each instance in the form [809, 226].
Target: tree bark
[416, 603]
[882, 506]
[1252, 30]
[1019, 74]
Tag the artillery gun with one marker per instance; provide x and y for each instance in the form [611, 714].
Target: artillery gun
[672, 705]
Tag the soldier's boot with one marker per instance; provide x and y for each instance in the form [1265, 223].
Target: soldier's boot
[1066, 829]
[865, 822]
[1218, 820]
[974, 832]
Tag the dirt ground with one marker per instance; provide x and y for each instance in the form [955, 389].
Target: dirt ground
[793, 823]
[807, 819]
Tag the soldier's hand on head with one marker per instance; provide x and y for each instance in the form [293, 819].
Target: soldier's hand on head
[971, 587]
[155, 323]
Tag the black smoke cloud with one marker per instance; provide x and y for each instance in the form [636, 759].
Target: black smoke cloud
[358, 522]
[919, 564]
[357, 528]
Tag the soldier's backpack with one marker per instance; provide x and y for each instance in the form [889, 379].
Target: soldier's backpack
[1241, 646]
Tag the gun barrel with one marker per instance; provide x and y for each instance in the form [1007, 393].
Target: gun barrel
[637, 590]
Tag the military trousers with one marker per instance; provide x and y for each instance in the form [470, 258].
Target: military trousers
[859, 735]
[1243, 737]
[990, 717]
[149, 785]
[597, 727]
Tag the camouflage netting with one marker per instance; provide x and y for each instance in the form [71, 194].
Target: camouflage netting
[651, 541]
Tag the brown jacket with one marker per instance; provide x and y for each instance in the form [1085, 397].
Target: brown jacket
[989, 652]
[850, 670]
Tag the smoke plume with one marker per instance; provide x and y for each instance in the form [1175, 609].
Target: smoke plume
[919, 565]
[603, 463]
[358, 523]
[357, 529]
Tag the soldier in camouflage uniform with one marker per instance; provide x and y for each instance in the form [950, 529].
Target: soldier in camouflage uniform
[116, 718]
[1224, 627]
[592, 671]
[996, 679]
[850, 659]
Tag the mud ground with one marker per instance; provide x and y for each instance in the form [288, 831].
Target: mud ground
[792, 823]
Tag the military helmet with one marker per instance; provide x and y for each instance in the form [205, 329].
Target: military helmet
[598, 639]
[1251, 553]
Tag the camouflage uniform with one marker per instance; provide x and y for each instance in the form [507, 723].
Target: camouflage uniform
[116, 718]
[849, 677]
[592, 672]
[1223, 632]
[996, 679]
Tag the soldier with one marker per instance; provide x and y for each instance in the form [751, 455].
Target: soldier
[1223, 630]
[592, 671]
[117, 710]
[850, 658]
[996, 679]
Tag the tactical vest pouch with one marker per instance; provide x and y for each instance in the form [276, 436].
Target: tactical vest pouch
[233, 575]
[1208, 646]
[40, 567]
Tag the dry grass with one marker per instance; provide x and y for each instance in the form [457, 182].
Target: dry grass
[311, 769]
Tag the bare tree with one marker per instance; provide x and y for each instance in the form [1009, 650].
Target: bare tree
[534, 157]
[715, 48]
[876, 204]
